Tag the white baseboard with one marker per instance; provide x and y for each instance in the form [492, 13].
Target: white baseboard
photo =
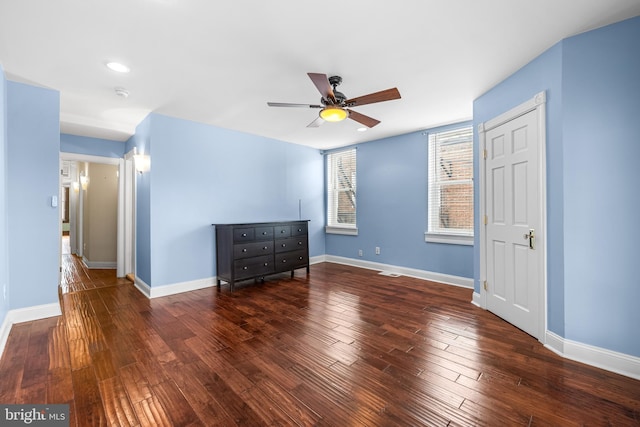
[447, 279]
[142, 287]
[99, 264]
[176, 288]
[609, 360]
[476, 299]
[317, 259]
[26, 314]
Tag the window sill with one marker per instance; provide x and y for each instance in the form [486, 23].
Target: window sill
[347, 231]
[451, 239]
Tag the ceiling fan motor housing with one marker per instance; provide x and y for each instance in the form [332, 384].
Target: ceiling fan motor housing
[340, 97]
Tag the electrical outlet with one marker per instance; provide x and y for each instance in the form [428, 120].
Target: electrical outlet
[377, 250]
[359, 252]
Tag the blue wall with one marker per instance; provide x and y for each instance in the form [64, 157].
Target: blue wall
[392, 210]
[33, 136]
[592, 87]
[91, 146]
[542, 74]
[4, 252]
[601, 107]
[142, 140]
[202, 175]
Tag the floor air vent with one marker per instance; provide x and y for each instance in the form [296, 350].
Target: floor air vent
[389, 274]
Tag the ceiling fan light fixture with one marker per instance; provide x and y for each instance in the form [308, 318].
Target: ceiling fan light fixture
[333, 114]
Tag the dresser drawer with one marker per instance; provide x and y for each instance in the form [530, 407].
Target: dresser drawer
[281, 231]
[244, 234]
[299, 229]
[290, 244]
[251, 267]
[264, 233]
[247, 250]
[290, 260]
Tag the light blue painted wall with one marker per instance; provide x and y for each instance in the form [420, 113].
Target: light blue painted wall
[33, 136]
[202, 175]
[392, 209]
[601, 107]
[142, 141]
[4, 253]
[542, 74]
[91, 146]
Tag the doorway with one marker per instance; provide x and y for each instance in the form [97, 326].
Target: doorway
[513, 228]
[74, 179]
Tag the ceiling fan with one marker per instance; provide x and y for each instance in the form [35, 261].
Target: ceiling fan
[334, 106]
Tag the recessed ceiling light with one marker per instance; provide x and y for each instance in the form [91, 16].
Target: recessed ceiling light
[118, 67]
[363, 129]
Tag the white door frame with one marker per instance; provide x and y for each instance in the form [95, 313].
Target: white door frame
[538, 104]
[120, 248]
[129, 222]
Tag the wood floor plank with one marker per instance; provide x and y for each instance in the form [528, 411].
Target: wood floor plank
[117, 406]
[341, 346]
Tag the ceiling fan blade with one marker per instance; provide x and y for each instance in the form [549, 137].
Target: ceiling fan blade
[287, 104]
[362, 119]
[383, 95]
[316, 123]
[322, 84]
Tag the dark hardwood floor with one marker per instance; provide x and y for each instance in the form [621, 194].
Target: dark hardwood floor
[341, 347]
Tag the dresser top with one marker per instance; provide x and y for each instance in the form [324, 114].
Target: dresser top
[259, 224]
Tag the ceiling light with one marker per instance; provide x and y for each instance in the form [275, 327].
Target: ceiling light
[118, 67]
[333, 114]
[362, 129]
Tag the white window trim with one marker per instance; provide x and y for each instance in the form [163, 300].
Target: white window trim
[452, 239]
[347, 231]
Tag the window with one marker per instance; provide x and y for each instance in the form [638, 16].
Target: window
[450, 187]
[341, 192]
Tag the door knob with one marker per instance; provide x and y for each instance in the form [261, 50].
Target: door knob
[531, 237]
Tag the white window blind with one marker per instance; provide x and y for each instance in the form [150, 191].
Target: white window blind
[341, 189]
[450, 184]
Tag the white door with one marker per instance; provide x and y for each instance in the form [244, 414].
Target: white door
[514, 224]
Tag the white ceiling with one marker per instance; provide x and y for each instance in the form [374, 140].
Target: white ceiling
[219, 62]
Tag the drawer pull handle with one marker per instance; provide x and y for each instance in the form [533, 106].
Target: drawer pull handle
[284, 260]
[299, 229]
[244, 234]
[265, 248]
[299, 243]
[264, 233]
[281, 231]
[244, 250]
[284, 245]
[266, 263]
[245, 268]
[301, 257]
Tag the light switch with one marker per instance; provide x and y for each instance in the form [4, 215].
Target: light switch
[54, 201]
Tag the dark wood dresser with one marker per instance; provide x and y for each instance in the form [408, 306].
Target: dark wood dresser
[255, 250]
